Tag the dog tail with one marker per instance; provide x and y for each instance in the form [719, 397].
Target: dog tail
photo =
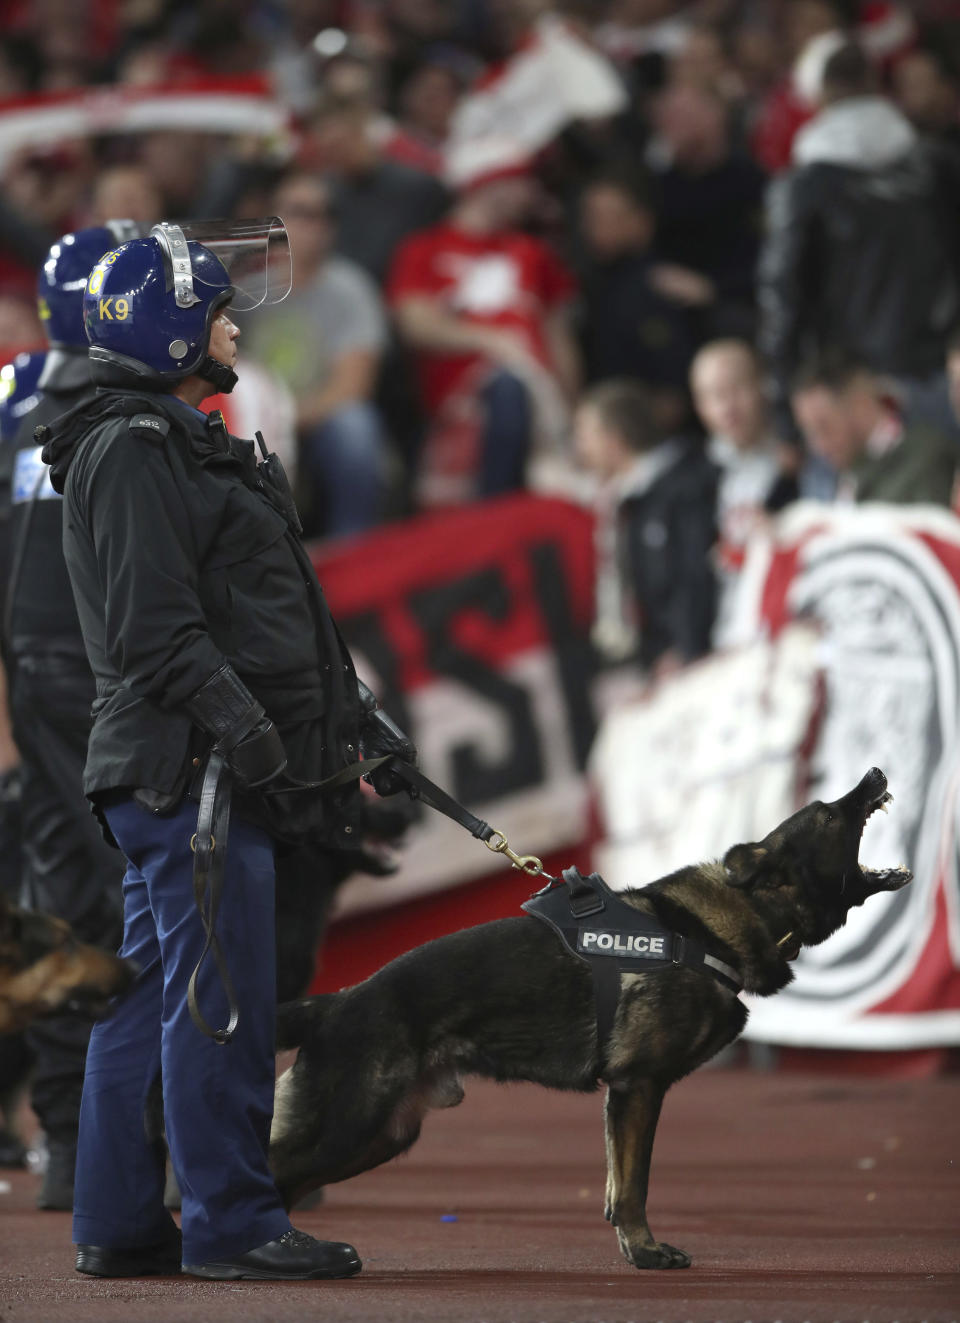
[298, 1019]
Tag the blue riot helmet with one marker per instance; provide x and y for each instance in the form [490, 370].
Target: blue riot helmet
[63, 277]
[149, 304]
[19, 391]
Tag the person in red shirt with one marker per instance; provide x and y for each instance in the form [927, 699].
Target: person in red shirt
[485, 308]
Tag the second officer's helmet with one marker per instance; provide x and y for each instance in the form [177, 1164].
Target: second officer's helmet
[149, 304]
[19, 391]
[63, 278]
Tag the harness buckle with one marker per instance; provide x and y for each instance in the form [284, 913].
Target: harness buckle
[677, 948]
[527, 863]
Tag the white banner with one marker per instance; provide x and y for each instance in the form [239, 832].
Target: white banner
[727, 750]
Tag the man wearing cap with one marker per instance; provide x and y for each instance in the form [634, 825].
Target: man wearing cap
[221, 678]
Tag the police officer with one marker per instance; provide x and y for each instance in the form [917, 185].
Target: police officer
[18, 395]
[221, 677]
[69, 870]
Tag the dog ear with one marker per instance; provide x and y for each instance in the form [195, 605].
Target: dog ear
[744, 864]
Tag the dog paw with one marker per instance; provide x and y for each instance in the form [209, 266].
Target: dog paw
[654, 1255]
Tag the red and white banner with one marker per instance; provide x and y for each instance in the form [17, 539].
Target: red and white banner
[206, 105]
[730, 748]
[472, 628]
[518, 107]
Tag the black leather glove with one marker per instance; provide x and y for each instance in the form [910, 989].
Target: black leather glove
[250, 742]
[379, 736]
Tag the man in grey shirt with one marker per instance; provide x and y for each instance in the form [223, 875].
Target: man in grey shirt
[325, 341]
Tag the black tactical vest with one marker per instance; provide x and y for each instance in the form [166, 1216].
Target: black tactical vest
[616, 938]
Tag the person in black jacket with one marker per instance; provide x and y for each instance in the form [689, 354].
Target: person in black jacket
[656, 591]
[69, 869]
[861, 253]
[220, 675]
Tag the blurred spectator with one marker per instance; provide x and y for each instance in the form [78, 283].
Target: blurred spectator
[325, 341]
[863, 247]
[710, 207]
[656, 592]
[298, 47]
[703, 60]
[628, 328]
[953, 372]
[728, 394]
[14, 77]
[786, 107]
[24, 242]
[47, 184]
[379, 202]
[848, 420]
[427, 101]
[127, 191]
[635, 28]
[57, 43]
[927, 90]
[486, 308]
[221, 36]
[20, 327]
[176, 163]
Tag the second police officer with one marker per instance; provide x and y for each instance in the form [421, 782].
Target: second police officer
[68, 868]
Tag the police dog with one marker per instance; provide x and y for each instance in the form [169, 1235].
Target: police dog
[45, 971]
[509, 1001]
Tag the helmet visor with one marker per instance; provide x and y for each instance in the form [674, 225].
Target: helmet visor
[254, 253]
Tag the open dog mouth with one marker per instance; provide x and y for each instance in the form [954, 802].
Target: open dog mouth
[878, 804]
[869, 797]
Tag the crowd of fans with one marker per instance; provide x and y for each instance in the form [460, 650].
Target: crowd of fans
[706, 251]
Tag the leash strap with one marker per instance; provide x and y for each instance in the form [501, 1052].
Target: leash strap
[209, 847]
[209, 858]
[421, 787]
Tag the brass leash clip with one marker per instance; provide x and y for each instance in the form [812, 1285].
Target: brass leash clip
[527, 863]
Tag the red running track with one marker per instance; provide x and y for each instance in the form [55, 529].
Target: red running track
[799, 1197]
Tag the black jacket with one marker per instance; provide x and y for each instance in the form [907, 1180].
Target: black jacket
[628, 329]
[667, 530]
[180, 561]
[40, 614]
[862, 246]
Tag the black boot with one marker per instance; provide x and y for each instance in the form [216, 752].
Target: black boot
[294, 1257]
[56, 1192]
[160, 1260]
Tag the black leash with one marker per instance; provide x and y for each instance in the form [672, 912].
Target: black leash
[209, 846]
[421, 787]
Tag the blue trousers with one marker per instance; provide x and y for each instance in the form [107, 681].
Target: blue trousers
[218, 1100]
[506, 434]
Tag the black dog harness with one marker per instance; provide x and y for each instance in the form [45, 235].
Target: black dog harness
[616, 938]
